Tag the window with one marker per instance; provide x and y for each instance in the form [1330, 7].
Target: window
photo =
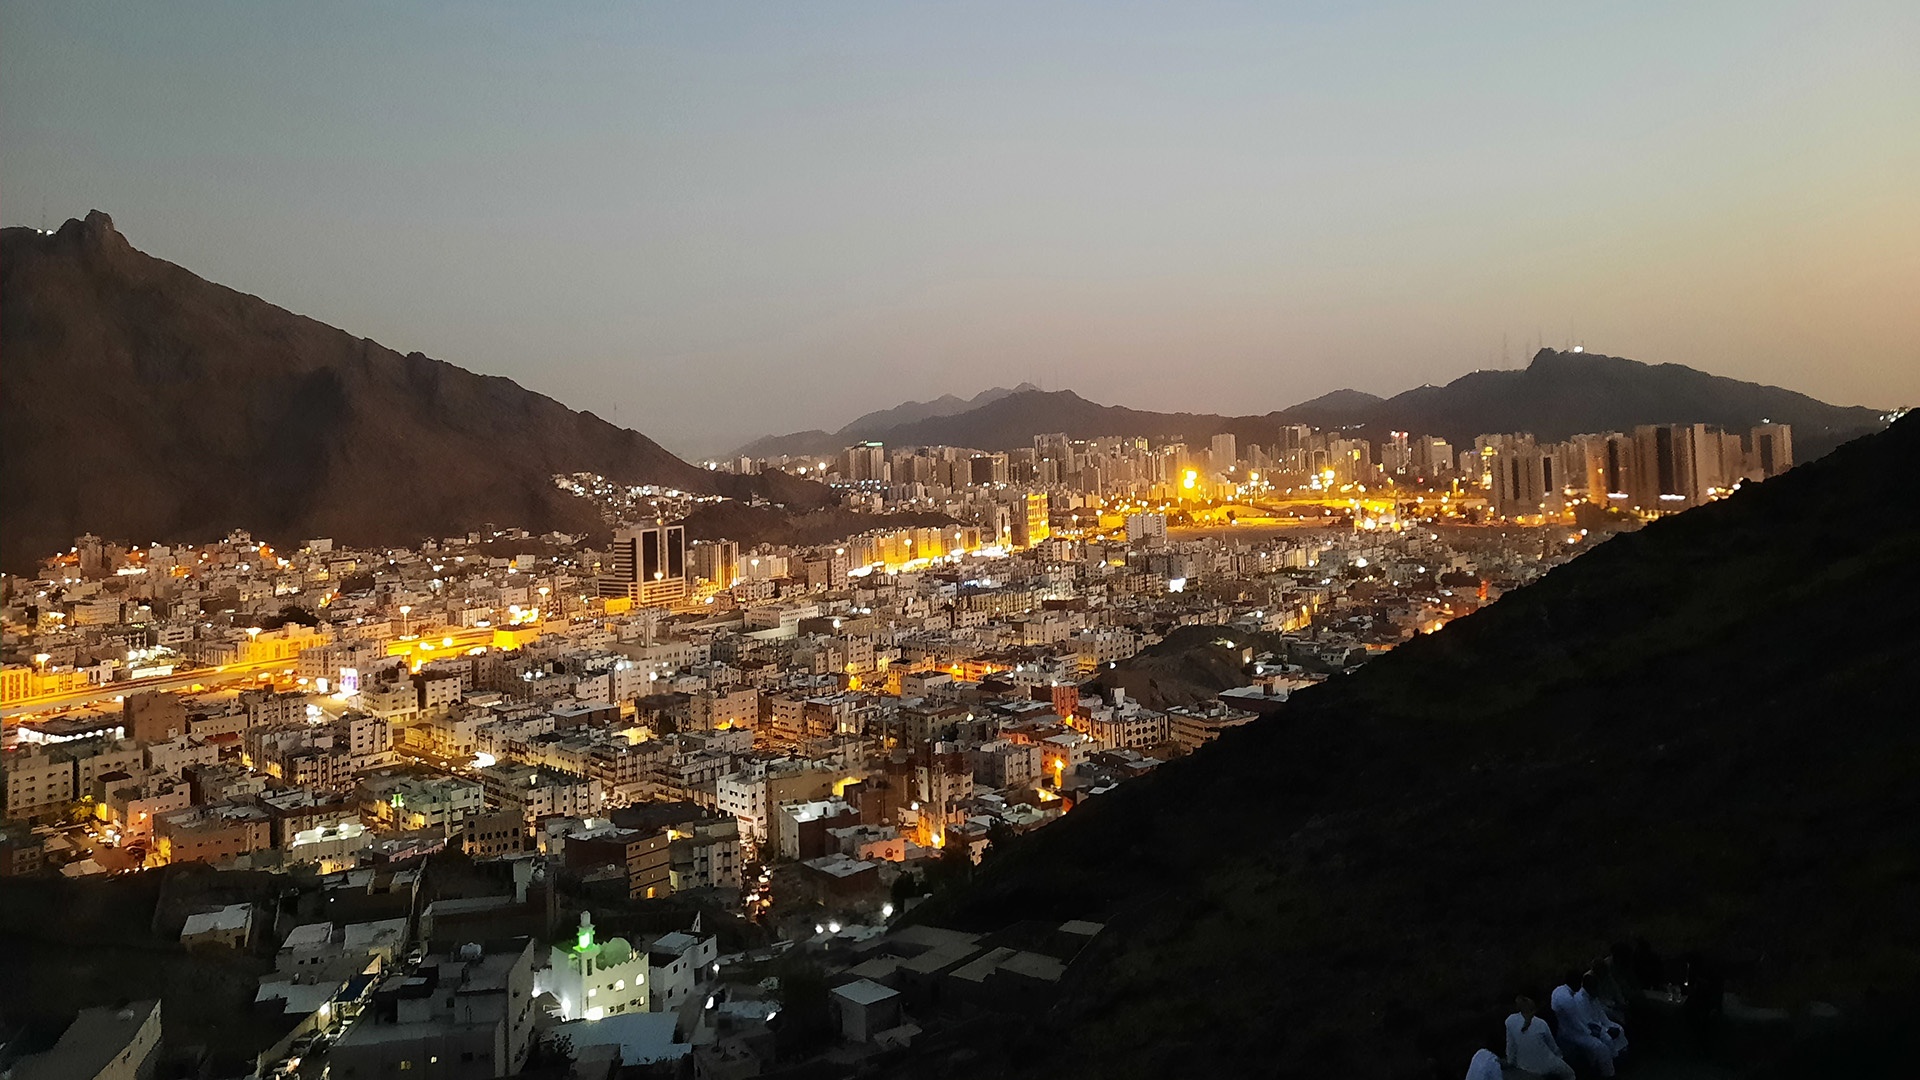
[405, 1065]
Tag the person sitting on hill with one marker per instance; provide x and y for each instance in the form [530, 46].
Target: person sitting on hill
[1583, 1038]
[1588, 997]
[1619, 988]
[1530, 1044]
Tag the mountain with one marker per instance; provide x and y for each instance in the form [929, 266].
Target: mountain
[1014, 420]
[944, 405]
[145, 403]
[832, 442]
[1565, 393]
[1557, 395]
[1644, 743]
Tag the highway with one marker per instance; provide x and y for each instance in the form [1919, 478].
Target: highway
[445, 642]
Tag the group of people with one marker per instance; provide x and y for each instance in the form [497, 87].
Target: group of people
[1589, 1034]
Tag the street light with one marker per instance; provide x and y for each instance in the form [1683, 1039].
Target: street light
[404, 608]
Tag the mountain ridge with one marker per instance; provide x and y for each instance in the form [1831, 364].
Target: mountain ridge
[144, 402]
[1558, 394]
[817, 441]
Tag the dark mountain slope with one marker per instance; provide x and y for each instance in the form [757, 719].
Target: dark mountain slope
[832, 442]
[1562, 393]
[145, 403]
[944, 405]
[1014, 420]
[1701, 733]
[1558, 395]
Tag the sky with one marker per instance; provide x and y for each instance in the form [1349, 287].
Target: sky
[712, 221]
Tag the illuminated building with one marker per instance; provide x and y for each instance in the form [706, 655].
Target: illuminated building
[649, 565]
[1031, 526]
[717, 561]
[592, 979]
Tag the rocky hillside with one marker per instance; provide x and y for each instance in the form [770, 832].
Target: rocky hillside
[1559, 394]
[832, 442]
[145, 403]
[1645, 743]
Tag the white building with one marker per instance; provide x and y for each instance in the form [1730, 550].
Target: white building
[595, 979]
[681, 963]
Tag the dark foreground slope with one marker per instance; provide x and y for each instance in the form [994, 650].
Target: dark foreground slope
[142, 402]
[1702, 733]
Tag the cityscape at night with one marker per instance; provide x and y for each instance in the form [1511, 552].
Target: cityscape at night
[1508, 676]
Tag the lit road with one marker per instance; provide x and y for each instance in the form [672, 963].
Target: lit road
[447, 642]
[211, 678]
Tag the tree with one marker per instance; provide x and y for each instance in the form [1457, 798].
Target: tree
[805, 1021]
[906, 887]
[999, 834]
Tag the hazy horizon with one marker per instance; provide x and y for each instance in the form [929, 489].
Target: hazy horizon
[711, 225]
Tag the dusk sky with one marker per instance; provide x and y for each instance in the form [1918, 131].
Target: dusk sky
[714, 221]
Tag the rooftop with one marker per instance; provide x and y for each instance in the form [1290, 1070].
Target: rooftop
[864, 992]
[90, 1044]
[231, 917]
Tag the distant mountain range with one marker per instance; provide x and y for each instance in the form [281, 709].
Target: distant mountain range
[1557, 395]
[145, 403]
[1359, 885]
[803, 443]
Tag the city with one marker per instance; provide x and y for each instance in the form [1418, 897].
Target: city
[864, 541]
[798, 742]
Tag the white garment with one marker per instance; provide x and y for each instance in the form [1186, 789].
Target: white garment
[1615, 1035]
[1485, 1066]
[1530, 1046]
[1582, 1039]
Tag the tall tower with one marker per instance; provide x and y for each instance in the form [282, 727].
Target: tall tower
[649, 565]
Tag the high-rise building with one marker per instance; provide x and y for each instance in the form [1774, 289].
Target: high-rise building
[1772, 452]
[1396, 454]
[1431, 456]
[649, 565]
[1224, 454]
[1290, 454]
[1030, 522]
[1526, 480]
[867, 461]
[1147, 530]
[717, 561]
[1663, 467]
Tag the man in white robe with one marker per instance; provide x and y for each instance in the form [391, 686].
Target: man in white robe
[1583, 1038]
[1485, 1066]
[1530, 1044]
[1588, 999]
